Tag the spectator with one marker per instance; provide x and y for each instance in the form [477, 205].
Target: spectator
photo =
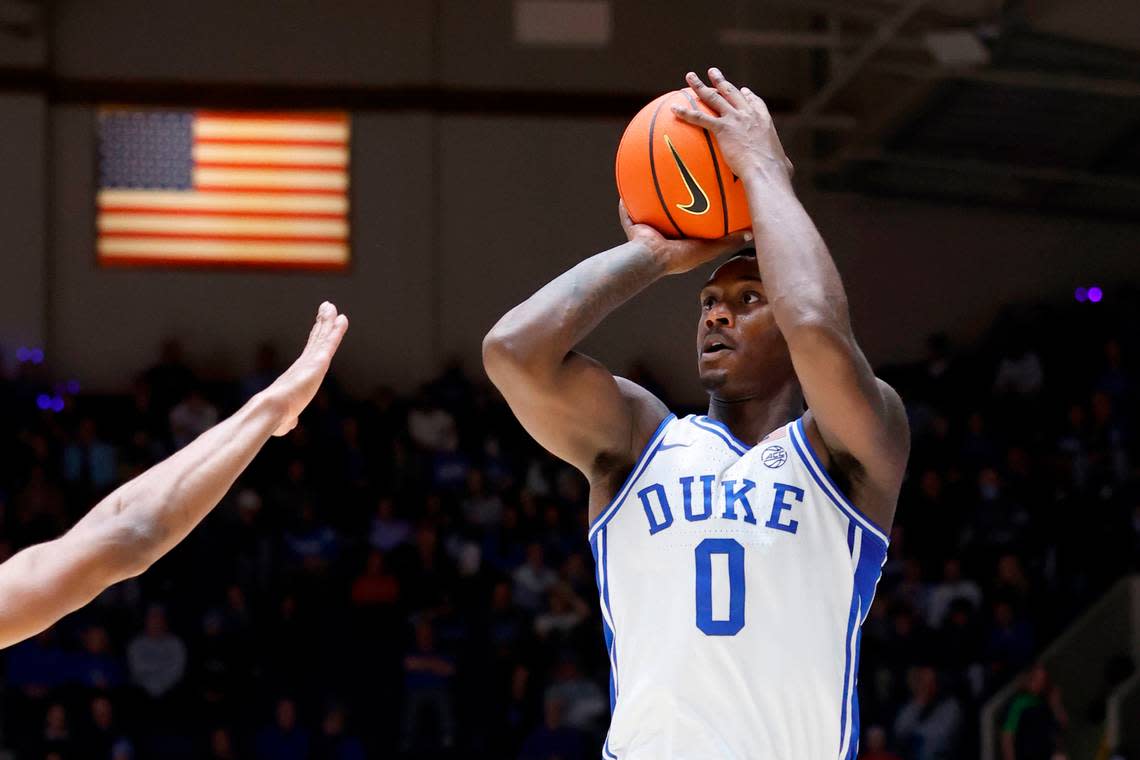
[431, 427]
[874, 746]
[427, 685]
[191, 417]
[40, 508]
[912, 590]
[388, 530]
[480, 508]
[1114, 379]
[36, 667]
[1035, 720]
[156, 657]
[927, 727]
[564, 613]
[221, 745]
[375, 587]
[312, 543]
[104, 738]
[583, 704]
[333, 742]
[283, 739]
[57, 737]
[952, 587]
[89, 463]
[960, 647]
[533, 579]
[1010, 644]
[96, 667]
[266, 368]
[170, 379]
[553, 740]
[1019, 371]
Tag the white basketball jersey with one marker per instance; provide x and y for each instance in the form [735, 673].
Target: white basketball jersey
[733, 583]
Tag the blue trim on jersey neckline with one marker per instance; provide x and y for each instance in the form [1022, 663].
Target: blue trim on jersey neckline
[642, 461]
[833, 491]
[732, 439]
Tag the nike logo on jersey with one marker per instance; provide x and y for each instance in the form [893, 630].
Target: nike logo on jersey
[698, 200]
[666, 447]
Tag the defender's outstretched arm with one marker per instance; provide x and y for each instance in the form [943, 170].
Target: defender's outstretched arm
[855, 412]
[143, 519]
[568, 402]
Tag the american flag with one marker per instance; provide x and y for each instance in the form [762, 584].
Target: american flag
[223, 188]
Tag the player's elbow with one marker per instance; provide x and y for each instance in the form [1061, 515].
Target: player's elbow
[130, 547]
[506, 356]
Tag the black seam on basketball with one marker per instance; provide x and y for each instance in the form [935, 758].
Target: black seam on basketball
[716, 166]
[653, 170]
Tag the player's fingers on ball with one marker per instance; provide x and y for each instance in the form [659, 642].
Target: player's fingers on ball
[627, 223]
[697, 118]
[726, 88]
[757, 103]
[708, 95]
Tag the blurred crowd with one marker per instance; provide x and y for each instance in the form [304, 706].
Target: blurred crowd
[409, 577]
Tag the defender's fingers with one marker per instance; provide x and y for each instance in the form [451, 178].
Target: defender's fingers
[727, 88]
[339, 328]
[316, 329]
[708, 95]
[696, 118]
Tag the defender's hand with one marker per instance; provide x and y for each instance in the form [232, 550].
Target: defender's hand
[743, 128]
[679, 256]
[295, 388]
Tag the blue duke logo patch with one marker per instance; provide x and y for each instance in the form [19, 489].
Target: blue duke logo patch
[774, 456]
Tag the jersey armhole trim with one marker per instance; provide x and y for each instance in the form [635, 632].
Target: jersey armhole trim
[642, 462]
[819, 473]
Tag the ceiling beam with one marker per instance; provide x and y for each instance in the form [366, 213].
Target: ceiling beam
[772, 38]
[850, 67]
[1121, 88]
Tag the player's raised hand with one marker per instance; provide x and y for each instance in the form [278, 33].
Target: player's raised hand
[682, 255]
[295, 388]
[743, 127]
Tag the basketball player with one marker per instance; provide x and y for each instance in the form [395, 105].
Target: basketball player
[145, 518]
[738, 552]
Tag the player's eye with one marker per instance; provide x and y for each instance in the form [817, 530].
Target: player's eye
[751, 296]
[707, 302]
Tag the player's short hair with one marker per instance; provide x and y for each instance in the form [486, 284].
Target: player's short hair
[743, 253]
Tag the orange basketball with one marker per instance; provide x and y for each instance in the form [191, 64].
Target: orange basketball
[672, 176]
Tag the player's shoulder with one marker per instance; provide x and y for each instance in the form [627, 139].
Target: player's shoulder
[646, 415]
[646, 411]
[895, 418]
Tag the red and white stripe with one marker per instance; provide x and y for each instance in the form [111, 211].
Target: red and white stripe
[269, 188]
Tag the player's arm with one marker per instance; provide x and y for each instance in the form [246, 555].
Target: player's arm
[570, 403]
[143, 519]
[855, 412]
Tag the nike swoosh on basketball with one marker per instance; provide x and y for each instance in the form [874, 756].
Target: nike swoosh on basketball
[664, 446]
[698, 199]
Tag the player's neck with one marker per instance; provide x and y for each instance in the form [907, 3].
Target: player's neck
[751, 419]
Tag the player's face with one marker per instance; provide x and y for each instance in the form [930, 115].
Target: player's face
[740, 351]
